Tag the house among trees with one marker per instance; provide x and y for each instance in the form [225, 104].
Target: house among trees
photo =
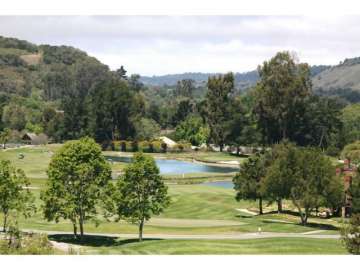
[169, 142]
[34, 139]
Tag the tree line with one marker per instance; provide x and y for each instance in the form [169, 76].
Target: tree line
[70, 95]
[80, 189]
[303, 175]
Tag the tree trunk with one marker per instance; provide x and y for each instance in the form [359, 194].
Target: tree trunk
[81, 223]
[5, 222]
[141, 226]
[237, 150]
[260, 206]
[279, 203]
[303, 217]
[75, 229]
[221, 147]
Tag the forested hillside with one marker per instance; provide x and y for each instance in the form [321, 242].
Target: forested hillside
[53, 89]
[63, 92]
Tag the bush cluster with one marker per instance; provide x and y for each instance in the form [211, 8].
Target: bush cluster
[154, 146]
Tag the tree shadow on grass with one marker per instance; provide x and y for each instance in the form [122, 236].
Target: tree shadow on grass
[243, 216]
[95, 240]
[318, 226]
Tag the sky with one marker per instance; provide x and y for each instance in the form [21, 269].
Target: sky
[157, 45]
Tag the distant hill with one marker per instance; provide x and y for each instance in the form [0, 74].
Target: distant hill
[346, 75]
[242, 80]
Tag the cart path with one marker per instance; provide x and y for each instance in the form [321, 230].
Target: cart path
[228, 236]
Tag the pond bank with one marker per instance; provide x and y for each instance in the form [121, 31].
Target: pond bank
[198, 160]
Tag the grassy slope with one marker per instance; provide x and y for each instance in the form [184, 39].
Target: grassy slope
[192, 202]
[108, 245]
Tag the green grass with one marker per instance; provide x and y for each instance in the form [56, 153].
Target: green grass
[35, 161]
[192, 202]
[110, 245]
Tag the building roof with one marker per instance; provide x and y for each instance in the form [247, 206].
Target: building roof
[29, 135]
[168, 141]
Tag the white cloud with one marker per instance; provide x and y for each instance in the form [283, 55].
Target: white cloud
[168, 44]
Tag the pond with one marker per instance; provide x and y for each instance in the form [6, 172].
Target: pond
[172, 166]
[221, 184]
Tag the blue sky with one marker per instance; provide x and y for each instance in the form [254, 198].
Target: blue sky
[157, 45]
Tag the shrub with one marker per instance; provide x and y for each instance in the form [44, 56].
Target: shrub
[350, 235]
[157, 146]
[116, 145]
[183, 146]
[123, 145]
[134, 146]
[164, 147]
[352, 152]
[30, 244]
[333, 151]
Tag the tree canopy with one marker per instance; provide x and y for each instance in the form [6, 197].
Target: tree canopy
[14, 193]
[77, 175]
[140, 192]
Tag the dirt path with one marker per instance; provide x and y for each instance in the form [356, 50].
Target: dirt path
[229, 236]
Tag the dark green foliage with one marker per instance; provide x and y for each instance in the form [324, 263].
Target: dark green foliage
[248, 181]
[134, 83]
[11, 60]
[305, 176]
[281, 173]
[354, 191]
[18, 44]
[184, 108]
[185, 88]
[61, 54]
[351, 123]
[111, 111]
[318, 122]
[352, 152]
[146, 129]
[216, 110]
[282, 88]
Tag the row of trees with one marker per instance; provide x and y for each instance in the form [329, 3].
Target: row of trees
[280, 107]
[79, 186]
[80, 189]
[300, 174]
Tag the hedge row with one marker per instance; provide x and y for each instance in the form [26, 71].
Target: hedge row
[145, 146]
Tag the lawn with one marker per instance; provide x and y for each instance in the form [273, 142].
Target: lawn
[110, 245]
[204, 205]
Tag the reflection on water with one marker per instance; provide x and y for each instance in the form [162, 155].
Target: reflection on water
[172, 166]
